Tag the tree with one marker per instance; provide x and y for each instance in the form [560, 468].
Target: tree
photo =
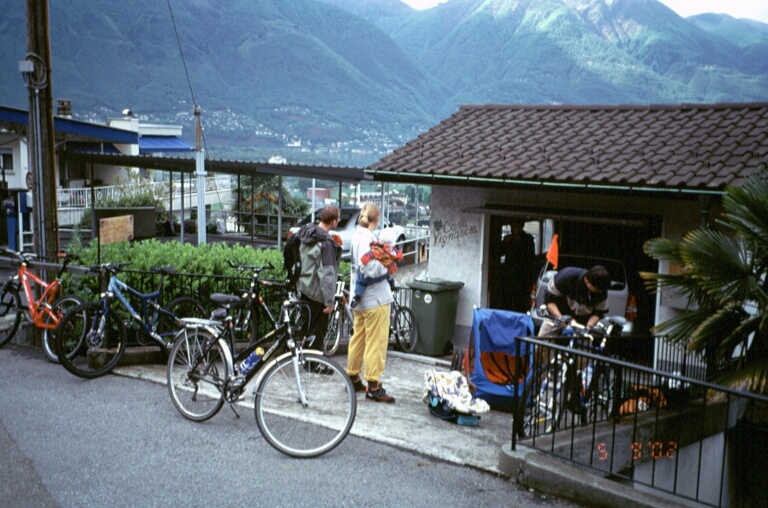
[725, 276]
[263, 192]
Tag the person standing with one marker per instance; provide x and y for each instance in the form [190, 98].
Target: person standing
[319, 254]
[517, 270]
[368, 346]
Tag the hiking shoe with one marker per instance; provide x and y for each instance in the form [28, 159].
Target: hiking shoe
[376, 393]
[358, 384]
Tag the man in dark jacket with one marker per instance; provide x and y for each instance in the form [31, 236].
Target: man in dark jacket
[319, 266]
[579, 293]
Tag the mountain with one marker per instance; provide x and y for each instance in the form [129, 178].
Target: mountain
[750, 36]
[368, 75]
[263, 71]
[578, 51]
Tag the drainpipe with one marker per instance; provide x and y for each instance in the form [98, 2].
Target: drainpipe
[705, 204]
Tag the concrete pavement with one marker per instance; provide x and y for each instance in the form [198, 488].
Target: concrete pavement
[408, 424]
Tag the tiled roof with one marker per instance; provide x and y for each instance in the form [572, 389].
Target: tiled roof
[705, 147]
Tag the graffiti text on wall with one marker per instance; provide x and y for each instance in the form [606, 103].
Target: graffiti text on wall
[450, 231]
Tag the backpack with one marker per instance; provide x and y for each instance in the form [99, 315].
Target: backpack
[292, 257]
[448, 397]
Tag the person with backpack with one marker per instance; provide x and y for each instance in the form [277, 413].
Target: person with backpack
[371, 317]
[319, 255]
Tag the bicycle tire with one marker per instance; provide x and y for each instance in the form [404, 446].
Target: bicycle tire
[61, 306]
[333, 334]
[10, 313]
[198, 393]
[570, 400]
[181, 307]
[311, 431]
[405, 330]
[85, 352]
[601, 398]
[543, 410]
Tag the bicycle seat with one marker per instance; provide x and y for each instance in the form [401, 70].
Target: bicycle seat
[167, 270]
[225, 299]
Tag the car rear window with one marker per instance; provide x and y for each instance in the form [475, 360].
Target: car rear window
[343, 219]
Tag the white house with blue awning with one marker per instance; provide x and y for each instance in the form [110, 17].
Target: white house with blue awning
[153, 138]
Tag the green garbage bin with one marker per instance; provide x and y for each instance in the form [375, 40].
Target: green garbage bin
[434, 306]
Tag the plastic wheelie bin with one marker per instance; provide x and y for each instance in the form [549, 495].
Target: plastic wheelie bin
[434, 306]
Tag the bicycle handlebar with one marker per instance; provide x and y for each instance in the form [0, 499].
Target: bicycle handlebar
[108, 267]
[24, 257]
[255, 268]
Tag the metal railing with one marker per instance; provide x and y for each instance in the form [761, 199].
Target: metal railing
[659, 431]
[200, 287]
[73, 202]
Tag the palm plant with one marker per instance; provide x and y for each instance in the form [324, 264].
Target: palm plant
[725, 277]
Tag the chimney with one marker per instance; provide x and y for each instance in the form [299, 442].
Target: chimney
[64, 108]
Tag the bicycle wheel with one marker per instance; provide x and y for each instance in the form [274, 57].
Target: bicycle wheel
[405, 330]
[311, 429]
[197, 372]
[10, 314]
[333, 333]
[60, 307]
[184, 306]
[89, 343]
[601, 397]
[544, 402]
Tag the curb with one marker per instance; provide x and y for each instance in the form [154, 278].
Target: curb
[535, 470]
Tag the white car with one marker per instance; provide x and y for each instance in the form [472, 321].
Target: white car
[618, 293]
[346, 228]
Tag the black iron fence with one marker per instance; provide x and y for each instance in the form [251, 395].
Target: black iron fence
[649, 426]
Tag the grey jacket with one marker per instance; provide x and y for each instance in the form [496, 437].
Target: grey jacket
[319, 265]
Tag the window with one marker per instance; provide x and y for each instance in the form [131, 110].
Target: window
[6, 160]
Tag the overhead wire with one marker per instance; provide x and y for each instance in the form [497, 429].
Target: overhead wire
[186, 70]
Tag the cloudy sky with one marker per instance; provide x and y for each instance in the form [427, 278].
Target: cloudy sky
[754, 9]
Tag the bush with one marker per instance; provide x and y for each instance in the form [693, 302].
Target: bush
[203, 270]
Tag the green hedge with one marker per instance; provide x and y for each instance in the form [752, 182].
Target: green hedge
[207, 267]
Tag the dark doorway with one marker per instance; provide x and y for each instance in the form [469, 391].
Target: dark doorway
[617, 241]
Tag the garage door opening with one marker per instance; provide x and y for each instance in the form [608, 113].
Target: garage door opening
[615, 237]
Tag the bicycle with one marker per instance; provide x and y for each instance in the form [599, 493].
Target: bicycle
[341, 319]
[91, 338]
[402, 325]
[586, 390]
[305, 403]
[44, 312]
[247, 323]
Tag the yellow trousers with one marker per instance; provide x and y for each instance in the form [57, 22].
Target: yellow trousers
[369, 343]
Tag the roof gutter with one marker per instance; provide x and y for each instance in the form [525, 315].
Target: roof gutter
[568, 185]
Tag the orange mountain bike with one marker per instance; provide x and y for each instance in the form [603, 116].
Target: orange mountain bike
[44, 312]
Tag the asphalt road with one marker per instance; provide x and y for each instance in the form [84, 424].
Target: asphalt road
[119, 441]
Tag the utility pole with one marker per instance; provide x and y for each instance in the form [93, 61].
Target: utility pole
[200, 173]
[40, 134]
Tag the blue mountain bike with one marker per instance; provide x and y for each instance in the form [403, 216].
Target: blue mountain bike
[91, 338]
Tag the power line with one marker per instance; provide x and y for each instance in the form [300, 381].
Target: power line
[184, 63]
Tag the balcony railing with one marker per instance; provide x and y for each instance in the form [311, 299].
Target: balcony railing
[675, 435]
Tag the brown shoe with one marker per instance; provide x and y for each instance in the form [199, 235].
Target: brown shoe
[376, 393]
[359, 385]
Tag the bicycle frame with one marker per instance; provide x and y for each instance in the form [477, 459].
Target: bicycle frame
[149, 301]
[281, 338]
[42, 307]
[247, 321]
